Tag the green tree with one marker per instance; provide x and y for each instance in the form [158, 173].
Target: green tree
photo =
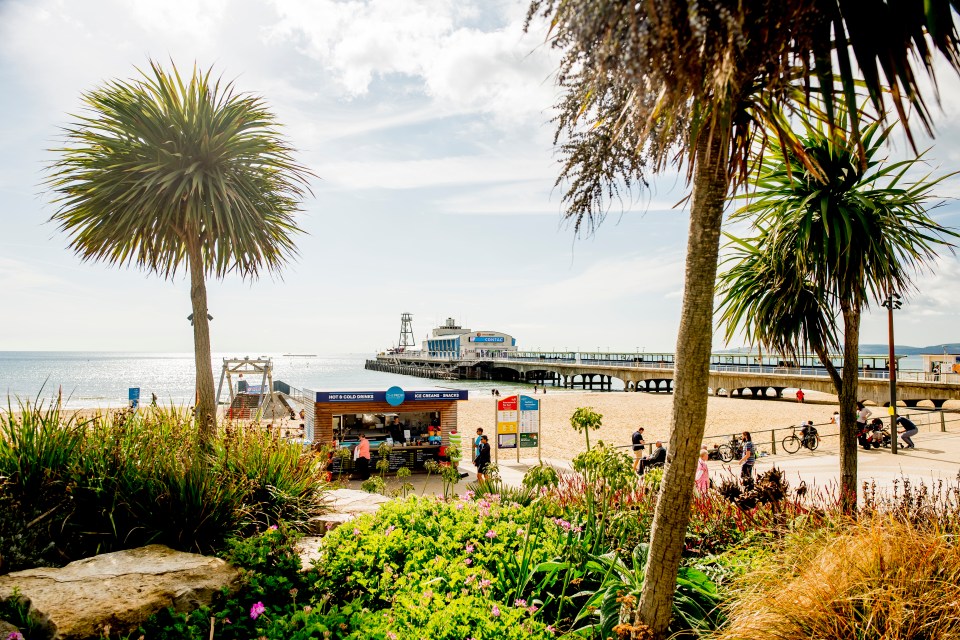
[172, 174]
[649, 85]
[828, 242]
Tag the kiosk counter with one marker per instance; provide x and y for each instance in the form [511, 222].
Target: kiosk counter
[417, 424]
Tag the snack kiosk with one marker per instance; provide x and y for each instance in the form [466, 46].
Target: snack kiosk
[416, 424]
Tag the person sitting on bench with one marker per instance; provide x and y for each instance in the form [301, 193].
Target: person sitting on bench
[655, 459]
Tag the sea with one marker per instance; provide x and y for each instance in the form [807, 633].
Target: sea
[97, 379]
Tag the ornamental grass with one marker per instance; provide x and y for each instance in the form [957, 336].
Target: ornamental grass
[72, 487]
[883, 577]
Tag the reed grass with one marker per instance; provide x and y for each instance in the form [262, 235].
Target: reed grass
[883, 577]
[71, 487]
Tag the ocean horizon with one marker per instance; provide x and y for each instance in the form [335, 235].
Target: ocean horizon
[101, 379]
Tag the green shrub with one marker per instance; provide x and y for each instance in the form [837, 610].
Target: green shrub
[448, 545]
[72, 488]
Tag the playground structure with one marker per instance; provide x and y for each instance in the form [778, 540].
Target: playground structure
[252, 401]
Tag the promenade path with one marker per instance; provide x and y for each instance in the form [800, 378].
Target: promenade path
[937, 457]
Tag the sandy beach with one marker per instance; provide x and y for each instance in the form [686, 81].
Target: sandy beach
[623, 412]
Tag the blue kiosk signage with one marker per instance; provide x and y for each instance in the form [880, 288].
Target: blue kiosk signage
[394, 396]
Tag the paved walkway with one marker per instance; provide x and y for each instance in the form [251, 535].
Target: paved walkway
[937, 457]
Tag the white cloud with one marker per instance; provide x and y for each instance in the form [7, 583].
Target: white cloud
[500, 71]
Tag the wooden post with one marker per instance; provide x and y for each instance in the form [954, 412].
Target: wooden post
[773, 441]
[943, 422]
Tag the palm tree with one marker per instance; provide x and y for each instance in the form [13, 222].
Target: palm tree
[173, 174]
[829, 241]
[647, 85]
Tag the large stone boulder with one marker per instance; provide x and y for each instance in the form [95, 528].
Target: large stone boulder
[118, 590]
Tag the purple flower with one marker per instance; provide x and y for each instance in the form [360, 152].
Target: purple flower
[491, 534]
[257, 610]
[14, 635]
[495, 612]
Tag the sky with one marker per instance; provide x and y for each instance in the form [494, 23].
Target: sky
[427, 124]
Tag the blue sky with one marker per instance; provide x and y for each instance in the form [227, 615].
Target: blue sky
[427, 124]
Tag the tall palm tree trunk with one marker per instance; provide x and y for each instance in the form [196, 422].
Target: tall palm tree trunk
[206, 407]
[689, 416]
[848, 406]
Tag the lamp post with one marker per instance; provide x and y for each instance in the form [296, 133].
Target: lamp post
[891, 303]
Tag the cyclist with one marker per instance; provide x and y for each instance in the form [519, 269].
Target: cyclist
[808, 433]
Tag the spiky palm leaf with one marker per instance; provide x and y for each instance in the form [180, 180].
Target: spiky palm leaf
[170, 174]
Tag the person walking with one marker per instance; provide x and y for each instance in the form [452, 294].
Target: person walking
[749, 457]
[482, 460]
[637, 440]
[909, 430]
[363, 457]
[702, 479]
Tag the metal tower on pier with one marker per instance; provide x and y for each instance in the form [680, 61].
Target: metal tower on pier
[406, 332]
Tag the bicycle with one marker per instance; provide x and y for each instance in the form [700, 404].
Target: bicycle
[731, 450]
[793, 442]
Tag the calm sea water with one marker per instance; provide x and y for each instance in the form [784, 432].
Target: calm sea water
[101, 379]
[98, 379]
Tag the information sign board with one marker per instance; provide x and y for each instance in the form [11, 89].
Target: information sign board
[529, 422]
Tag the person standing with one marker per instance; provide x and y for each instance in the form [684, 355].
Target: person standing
[363, 457]
[702, 479]
[637, 440]
[749, 457]
[476, 443]
[863, 414]
[483, 459]
[909, 430]
[800, 396]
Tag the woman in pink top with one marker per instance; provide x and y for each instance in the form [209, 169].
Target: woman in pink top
[363, 458]
[702, 479]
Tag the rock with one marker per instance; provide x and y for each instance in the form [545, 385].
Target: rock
[7, 629]
[319, 525]
[120, 590]
[308, 549]
[354, 502]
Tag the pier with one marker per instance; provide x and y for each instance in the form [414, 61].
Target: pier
[732, 375]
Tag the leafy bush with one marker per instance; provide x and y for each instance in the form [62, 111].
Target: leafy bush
[448, 545]
[71, 488]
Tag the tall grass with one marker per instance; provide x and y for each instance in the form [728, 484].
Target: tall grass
[881, 578]
[71, 487]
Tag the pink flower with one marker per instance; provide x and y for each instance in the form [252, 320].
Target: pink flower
[468, 561]
[520, 532]
[389, 530]
[14, 635]
[551, 629]
[257, 610]
[469, 548]
[391, 635]
[532, 609]
[495, 612]
[356, 531]
[519, 602]
[484, 583]
[491, 534]
[273, 527]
